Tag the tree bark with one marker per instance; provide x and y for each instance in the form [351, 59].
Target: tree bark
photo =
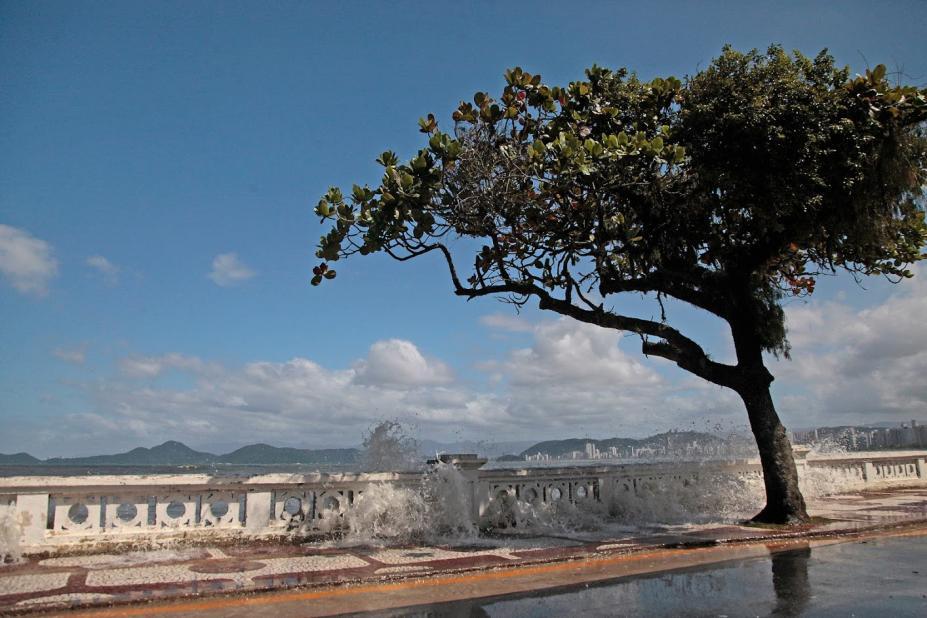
[784, 501]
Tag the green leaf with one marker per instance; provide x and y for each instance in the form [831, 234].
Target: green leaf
[388, 158]
[878, 73]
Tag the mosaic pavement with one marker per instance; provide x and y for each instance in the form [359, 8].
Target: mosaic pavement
[104, 579]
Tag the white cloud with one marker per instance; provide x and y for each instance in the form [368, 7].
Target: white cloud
[567, 351]
[27, 262]
[576, 379]
[572, 380]
[228, 270]
[293, 402]
[108, 270]
[508, 322]
[153, 366]
[76, 355]
[399, 363]
[857, 365]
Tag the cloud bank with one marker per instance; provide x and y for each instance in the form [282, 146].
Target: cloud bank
[228, 270]
[26, 262]
[106, 269]
[566, 379]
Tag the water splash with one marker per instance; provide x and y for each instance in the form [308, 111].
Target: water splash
[10, 551]
[705, 498]
[506, 515]
[830, 446]
[388, 446]
[437, 510]
[710, 498]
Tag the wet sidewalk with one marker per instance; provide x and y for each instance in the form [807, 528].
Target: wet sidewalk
[224, 580]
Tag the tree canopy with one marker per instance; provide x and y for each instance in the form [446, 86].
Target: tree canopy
[727, 190]
[767, 168]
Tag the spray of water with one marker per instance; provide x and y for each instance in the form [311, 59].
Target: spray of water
[438, 509]
[506, 515]
[388, 445]
[435, 511]
[10, 551]
[830, 445]
[708, 498]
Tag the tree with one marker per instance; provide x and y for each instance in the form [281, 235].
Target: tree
[729, 192]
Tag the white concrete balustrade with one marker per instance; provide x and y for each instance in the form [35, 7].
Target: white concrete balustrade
[63, 512]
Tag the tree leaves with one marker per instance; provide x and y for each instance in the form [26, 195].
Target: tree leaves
[616, 178]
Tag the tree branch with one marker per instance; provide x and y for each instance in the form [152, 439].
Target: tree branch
[675, 346]
[695, 290]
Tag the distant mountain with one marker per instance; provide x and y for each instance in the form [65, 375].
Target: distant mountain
[668, 440]
[19, 459]
[173, 453]
[266, 454]
[167, 454]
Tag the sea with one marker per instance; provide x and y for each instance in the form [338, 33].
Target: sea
[212, 469]
[246, 470]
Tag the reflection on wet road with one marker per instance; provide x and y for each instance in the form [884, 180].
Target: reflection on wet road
[878, 577]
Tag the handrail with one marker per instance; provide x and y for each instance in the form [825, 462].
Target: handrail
[57, 512]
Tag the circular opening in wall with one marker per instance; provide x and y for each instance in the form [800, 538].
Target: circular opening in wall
[78, 513]
[581, 492]
[555, 494]
[175, 509]
[331, 503]
[126, 511]
[292, 506]
[219, 508]
[531, 494]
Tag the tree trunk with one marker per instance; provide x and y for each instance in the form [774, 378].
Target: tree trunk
[784, 502]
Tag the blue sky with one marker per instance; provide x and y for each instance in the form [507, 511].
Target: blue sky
[145, 146]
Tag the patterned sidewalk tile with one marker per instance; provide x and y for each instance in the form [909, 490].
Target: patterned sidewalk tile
[87, 580]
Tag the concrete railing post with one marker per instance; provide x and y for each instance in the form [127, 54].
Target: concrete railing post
[921, 468]
[606, 490]
[468, 465]
[869, 471]
[32, 516]
[258, 510]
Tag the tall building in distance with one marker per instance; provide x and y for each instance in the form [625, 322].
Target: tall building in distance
[862, 438]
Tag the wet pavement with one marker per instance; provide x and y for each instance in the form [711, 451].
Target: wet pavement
[881, 576]
[224, 580]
